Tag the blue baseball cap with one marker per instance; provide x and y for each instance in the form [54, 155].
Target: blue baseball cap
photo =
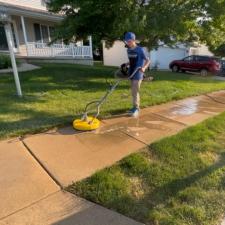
[129, 36]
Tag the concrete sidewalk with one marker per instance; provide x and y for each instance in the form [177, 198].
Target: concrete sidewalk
[34, 169]
[21, 68]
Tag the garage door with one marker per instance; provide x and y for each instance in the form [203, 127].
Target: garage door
[165, 55]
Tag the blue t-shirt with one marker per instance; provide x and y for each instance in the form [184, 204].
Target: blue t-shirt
[137, 57]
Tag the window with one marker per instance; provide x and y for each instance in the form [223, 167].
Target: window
[51, 32]
[216, 59]
[3, 40]
[37, 32]
[202, 58]
[43, 33]
[189, 58]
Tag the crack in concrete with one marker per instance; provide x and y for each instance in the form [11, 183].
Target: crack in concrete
[42, 165]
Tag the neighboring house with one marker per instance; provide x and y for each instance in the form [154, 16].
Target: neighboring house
[32, 26]
[161, 57]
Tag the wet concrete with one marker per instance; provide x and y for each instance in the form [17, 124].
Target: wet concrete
[147, 128]
[189, 111]
[205, 104]
[72, 156]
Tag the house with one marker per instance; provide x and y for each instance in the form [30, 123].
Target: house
[32, 27]
[160, 58]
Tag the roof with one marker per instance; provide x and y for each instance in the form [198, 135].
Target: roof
[30, 12]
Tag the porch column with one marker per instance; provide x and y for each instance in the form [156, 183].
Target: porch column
[82, 48]
[24, 33]
[90, 45]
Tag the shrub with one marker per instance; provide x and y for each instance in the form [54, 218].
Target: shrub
[5, 62]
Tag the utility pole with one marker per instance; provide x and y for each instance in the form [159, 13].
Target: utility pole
[5, 20]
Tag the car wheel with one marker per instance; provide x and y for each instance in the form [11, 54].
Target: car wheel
[175, 68]
[204, 72]
[183, 71]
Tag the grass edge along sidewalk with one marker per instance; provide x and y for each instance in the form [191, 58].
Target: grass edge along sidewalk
[56, 94]
[179, 180]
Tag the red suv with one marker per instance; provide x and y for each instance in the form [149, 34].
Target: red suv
[198, 63]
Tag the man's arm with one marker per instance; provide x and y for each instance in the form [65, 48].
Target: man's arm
[146, 65]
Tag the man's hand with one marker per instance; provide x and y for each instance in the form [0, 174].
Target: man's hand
[142, 69]
[146, 65]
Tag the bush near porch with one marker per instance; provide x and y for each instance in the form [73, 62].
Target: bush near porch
[58, 93]
[5, 61]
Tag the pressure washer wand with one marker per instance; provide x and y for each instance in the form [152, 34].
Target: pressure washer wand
[98, 103]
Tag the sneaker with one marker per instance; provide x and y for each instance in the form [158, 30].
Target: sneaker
[135, 112]
[131, 111]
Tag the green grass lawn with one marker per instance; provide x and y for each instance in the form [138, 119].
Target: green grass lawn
[179, 180]
[58, 93]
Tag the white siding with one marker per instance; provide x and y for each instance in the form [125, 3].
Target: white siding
[36, 4]
[164, 55]
[116, 55]
[161, 57]
[201, 50]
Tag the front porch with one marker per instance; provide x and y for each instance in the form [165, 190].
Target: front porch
[35, 49]
[32, 31]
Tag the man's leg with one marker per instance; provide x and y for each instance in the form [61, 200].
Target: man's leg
[135, 88]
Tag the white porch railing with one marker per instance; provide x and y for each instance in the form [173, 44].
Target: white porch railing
[58, 50]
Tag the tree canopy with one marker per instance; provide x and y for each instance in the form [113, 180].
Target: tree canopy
[219, 51]
[154, 21]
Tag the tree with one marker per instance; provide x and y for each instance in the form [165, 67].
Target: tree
[154, 21]
[220, 51]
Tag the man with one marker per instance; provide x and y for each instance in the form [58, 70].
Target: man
[137, 58]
